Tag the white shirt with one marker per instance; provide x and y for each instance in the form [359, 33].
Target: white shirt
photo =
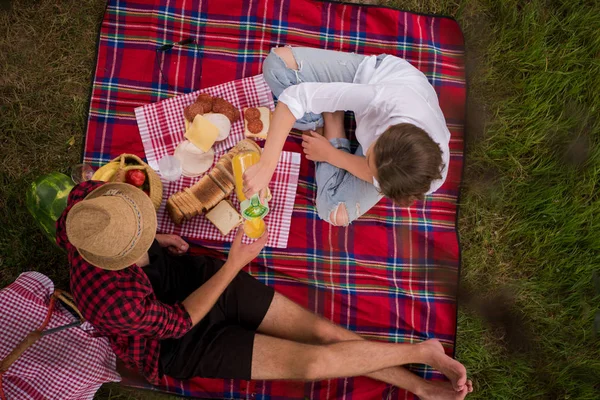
[393, 93]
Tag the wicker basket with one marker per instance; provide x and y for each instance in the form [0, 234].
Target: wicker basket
[154, 183]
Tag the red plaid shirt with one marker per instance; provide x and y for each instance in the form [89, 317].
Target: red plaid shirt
[121, 304]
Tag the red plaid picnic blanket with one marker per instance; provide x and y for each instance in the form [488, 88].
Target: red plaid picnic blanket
[162, 128]
[389, 276]
[70, 364]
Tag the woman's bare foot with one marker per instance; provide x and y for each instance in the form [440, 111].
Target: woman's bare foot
[437, 358]
[435, 390]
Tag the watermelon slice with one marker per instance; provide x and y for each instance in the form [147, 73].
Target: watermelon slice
[46, 200]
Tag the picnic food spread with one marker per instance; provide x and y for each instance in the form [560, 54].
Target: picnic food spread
[207, 120]
[209, 193]
[203, 127]
[209, 190]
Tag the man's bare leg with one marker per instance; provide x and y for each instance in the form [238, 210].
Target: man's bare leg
[285, 319]
[274, 358]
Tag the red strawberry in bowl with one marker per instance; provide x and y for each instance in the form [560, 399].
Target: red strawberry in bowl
[135, 177]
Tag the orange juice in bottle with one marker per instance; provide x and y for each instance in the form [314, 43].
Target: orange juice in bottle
[241, 162]
[253, 210]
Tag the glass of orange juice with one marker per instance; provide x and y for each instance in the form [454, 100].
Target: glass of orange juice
[254, 228]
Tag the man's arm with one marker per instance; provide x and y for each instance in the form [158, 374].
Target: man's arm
[136, 314]
[203, 299]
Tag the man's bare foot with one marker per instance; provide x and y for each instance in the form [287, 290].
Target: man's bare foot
[437, 358]
[435, 390]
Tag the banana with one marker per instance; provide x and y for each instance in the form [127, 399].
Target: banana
[106, 172]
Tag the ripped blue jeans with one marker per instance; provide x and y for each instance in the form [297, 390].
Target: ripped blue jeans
[335, 186]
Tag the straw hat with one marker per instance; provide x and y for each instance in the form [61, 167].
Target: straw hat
[113, 226]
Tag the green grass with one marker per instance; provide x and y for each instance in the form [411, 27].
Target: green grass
[530, 211]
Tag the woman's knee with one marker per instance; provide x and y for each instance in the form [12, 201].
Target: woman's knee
[337, 215]
[278, 69]
[286, 54]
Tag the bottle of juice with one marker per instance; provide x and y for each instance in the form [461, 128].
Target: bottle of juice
[241, 162]
[252, 209]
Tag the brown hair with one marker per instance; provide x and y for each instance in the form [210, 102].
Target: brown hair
[407, 161]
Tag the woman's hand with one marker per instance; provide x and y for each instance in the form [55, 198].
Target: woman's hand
[241, 254]
[317, 148]
[175, 243]
[256, 179]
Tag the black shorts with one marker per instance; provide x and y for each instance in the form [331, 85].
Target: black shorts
[220, 345]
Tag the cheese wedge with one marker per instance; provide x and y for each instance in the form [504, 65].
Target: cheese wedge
[202, 133]
[224, 217]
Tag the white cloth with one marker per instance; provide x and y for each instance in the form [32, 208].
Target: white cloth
[393, 93]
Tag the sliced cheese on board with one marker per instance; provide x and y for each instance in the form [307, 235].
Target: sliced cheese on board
[202, 133]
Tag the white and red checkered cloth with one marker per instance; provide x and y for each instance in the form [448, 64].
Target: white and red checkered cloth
[162, 128]
[70, 364]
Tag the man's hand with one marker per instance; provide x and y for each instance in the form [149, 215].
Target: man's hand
[317, 148]
[175, 243]
[241, 254]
